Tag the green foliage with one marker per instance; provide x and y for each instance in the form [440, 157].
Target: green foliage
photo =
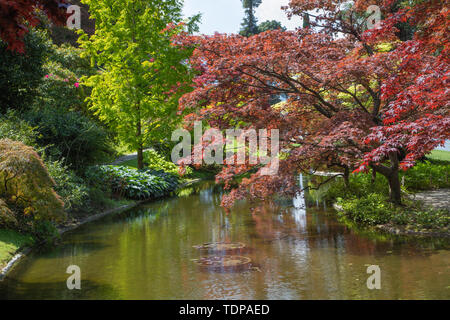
[69, 58]
[143, 74]
[428, 175]
[14, 128]
[26, 185]
[361, 185]
[43, 230]
[21, 74]
[371, 209]
[60, 88]
[423, 218]
[71, 188]
[7, 217]
[270, 25]
[137, 184]
[374, 209]
[70, 135]
[367, 202]
[154, 161]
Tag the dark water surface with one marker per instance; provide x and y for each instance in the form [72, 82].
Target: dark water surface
[296, 254]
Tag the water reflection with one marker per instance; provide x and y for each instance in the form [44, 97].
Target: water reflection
[301, 251]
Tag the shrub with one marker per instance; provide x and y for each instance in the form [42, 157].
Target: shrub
[428, 175]
[69, 57]
[14, 128]
[70, 135]
[59, 89]
[154, 161]
[361, 185]
[136, 184]
[21, 74]
[372, 209]
[26, 184]
[71, 188]
[7, 217]
[43, 230]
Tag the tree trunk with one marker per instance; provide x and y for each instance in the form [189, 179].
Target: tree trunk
[391, 174]
[347, 176]
[140, 153]
[140, 157]
[394, 187]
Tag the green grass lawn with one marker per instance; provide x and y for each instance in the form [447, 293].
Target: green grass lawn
[440, 155]
[10, 242]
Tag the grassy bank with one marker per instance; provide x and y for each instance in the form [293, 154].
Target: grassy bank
[440, 155]
[10, 242]
[366, 202]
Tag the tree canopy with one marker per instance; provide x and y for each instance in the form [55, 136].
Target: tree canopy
[270, 25]
[347, 105]
[142, 72]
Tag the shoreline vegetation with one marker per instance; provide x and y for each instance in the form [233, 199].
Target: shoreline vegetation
[361, 102]
[413, 219]
[364, 201]
[14, 246]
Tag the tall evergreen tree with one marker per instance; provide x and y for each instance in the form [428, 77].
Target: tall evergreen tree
[250, 23]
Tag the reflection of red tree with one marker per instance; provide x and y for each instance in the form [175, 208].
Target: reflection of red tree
[358, 245]
[264, 223]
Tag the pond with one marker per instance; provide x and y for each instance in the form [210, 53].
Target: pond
[158, 251]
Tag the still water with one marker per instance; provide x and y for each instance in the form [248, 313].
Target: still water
[148, 253]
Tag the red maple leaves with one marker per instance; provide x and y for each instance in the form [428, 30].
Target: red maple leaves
[16, 16]
[361, 99]
[417, 115]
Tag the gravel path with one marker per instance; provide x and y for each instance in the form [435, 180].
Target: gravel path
[439, 199]
[125, 158]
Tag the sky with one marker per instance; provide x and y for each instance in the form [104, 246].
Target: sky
[225, 16]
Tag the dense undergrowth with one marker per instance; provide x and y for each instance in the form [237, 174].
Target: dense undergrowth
[60, 146]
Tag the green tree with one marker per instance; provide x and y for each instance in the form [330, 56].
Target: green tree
[270, 25]
[142, 73]
[250, 23]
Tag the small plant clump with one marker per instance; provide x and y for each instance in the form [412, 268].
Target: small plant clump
[153, 160]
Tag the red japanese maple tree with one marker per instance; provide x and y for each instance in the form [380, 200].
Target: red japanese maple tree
[356, 98]
[417, 94]
[16, 17]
